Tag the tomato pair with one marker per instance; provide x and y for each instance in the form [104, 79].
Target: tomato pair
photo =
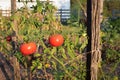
[30, 48]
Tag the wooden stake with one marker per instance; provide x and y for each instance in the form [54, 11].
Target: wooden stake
[13, 6]
[16, 67]
[93, 31]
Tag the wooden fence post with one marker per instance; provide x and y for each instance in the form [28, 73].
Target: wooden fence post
[16, 67]
[93, 31]
[13, 6]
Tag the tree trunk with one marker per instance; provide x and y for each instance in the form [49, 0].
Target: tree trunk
[93, 31]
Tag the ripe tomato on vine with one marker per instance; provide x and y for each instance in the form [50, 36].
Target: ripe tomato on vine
[56, 40]
[28, 48]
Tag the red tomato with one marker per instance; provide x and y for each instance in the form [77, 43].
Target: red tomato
[28, 48]
[56, 40]
[8, 38]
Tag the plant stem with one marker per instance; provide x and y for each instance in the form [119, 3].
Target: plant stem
[66, 71]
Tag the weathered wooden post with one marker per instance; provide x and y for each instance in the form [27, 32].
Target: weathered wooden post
[13, 6]
[93, 31]
[16, 67]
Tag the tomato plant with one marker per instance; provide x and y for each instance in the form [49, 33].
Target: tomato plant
[63, 61]
[28, 48]
[110, 34]
[56, 40]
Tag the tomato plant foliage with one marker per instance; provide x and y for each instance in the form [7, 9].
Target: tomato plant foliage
[110, 32]
[36, 25]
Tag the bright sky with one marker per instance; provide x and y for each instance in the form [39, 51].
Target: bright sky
[5, 4]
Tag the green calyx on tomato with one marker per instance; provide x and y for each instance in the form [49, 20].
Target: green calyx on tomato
[28, 48]
[56, 40]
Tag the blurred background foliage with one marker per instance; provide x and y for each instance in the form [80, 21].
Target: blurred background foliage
[38, 24]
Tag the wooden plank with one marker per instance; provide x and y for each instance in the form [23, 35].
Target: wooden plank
[16, 67]
[6, 69]
[5, 12]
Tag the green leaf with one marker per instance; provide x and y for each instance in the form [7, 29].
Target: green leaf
[46, 50]
[39, 9]
[54, 65]
[115, 78]
[39, 66]
[70, 52]
[37, 54]
[50, 7]
[62, 52]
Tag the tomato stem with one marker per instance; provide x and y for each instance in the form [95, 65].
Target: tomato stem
[66, 71]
